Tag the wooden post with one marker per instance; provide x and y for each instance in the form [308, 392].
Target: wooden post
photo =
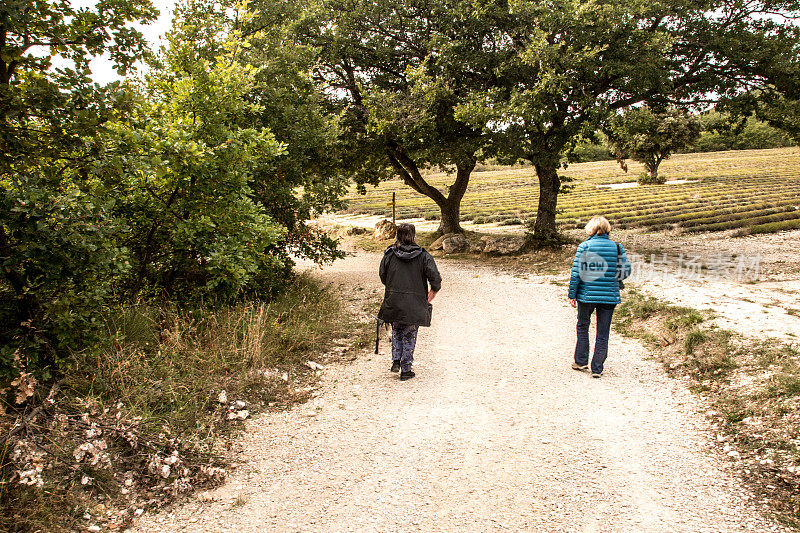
[394, 207]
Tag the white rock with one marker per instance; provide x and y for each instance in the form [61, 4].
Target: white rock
[455, 243]
[138, 512]
[205, 496]
[223, 397]
[165, 471]
[239, 415]
[93, 528]
[385, 230]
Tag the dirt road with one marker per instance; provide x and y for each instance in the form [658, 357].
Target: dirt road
[496, 433]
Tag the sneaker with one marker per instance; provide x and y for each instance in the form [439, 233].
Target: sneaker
[596, 375]
[576, 366]
[404, 376]
[395, 366]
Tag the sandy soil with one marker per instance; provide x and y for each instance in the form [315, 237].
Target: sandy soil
[768, 306]
[369, 221]
[496, 433]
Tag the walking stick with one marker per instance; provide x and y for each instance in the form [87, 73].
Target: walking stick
[378, 324]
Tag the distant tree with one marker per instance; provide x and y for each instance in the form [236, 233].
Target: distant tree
[781, 112]
[651, 137]
[723, 131]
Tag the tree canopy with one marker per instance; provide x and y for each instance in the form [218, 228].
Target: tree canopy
[399, 70]
[564, 66]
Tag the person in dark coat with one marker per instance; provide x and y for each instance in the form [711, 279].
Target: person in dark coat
[412, 281]
[599, 265]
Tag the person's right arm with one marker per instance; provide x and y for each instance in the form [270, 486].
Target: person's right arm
[432, 275]
[575, 277]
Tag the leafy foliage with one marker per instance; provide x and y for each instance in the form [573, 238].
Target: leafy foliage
[192, 226]
[308, 179]
[171, 187]
[722, 131]
[57, 254]
[650, 137]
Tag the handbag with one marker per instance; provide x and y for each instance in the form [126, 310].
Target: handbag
[428, 316]
[619, 272]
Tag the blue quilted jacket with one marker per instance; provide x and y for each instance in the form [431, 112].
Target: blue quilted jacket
[594, 271]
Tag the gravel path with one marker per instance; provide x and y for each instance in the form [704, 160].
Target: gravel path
[495, 433]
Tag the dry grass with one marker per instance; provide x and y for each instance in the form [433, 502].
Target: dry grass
[753, 390]
[155, 393]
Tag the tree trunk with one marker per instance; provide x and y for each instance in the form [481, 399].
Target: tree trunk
[451, 216]
[654, 174]
[544, 230]
[451, 206]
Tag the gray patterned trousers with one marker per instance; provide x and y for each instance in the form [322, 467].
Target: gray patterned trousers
[404, 340]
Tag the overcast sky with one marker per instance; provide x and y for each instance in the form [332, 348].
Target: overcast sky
[102, 69]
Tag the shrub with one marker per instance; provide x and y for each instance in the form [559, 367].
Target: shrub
[646, 179]
[154, 392]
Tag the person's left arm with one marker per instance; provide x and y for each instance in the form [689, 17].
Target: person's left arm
[625, 267]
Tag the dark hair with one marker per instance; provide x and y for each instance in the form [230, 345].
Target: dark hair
[406, 234]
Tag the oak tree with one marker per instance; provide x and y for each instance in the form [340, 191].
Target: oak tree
[650, 137]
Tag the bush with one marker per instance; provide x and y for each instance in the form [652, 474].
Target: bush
[719, 133]
[646, 179]
[585, 152]
[60, 264]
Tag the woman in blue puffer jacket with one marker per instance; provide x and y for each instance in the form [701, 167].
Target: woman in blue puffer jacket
[594, 285]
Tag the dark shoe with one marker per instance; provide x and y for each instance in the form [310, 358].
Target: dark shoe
[395, 366]
[595, 375]
[404, 376]
[576, 366]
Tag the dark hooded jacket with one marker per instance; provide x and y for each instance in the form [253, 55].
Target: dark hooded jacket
[406, 271]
